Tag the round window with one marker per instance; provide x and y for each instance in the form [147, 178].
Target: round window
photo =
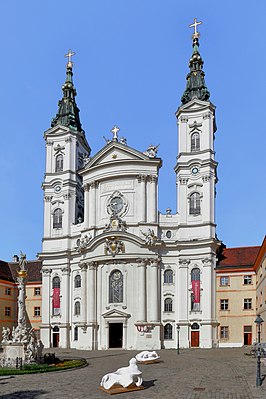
[168, 234]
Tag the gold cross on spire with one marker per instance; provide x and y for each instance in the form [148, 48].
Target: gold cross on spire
[195, 26]
[69, 55]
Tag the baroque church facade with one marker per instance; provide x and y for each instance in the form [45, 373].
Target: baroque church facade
[117, 273]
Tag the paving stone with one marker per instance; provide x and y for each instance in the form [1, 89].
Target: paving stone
[194, 374]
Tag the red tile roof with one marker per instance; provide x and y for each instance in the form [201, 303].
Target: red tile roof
[242, 256]
[8, 270]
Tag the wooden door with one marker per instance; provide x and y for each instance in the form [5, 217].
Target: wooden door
[55, 340]
[195, 339]
[248, 338]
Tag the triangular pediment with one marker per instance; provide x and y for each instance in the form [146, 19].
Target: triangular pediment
[57, 130]
[116, 151]
[115, 313]
[195, 105]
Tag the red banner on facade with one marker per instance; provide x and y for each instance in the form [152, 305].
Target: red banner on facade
[196, 290]
[56, 298]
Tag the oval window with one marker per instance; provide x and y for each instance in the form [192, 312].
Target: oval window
[168, 234]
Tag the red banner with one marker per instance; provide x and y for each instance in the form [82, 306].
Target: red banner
[196, 290]
[56, 299]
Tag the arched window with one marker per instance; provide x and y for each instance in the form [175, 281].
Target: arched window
[77, 281]
[194, 204]
[168, 331]
[76, 333]
[168, 276]
[168, 305]
[195, 274]
[56, 282]
[195, 295]
[195, 142]
[59, 161]
[57, 218]
[77, 308]
[116, 287]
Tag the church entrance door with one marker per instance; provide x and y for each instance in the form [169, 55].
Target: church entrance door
[195, 335]
[55, 337]
[194, 339]
[115, 335]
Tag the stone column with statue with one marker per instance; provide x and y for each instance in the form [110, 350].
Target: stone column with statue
[20, 345]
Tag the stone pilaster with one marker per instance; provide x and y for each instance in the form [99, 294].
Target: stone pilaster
[83, 267]
[91, 311]
[153, 300]
[92, 204]
[152, 200]
[142, 291]
[142, 198]
[86, 188]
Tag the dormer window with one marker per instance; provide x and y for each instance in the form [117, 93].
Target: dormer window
[195, 142]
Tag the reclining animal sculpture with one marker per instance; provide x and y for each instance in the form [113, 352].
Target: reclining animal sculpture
[125, 376]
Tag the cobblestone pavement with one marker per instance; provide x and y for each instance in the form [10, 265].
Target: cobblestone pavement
[195, 373]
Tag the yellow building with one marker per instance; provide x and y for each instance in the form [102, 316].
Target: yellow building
[260, 269]
[9, 294]
[236, 296]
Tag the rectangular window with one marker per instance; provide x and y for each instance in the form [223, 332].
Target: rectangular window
[224, 281]
[247, 280]
[37, 291]
[224, 332]
[247, 329]
[224, 304]
[247, 303]
[37, 311]
[7, 311]
[8, 291]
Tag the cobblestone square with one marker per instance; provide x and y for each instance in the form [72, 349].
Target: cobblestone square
[194, 373]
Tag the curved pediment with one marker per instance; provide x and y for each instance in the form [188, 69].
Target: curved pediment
[119, 235]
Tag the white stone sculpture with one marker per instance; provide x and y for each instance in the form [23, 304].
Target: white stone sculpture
[39, 349]
[149, 237]
[145, 356]
[124, 376]
[152, 151]
[5, 335]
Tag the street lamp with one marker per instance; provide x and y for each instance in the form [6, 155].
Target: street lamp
[178, 330]
[258, 322]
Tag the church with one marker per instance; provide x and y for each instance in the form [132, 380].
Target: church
[116, 272]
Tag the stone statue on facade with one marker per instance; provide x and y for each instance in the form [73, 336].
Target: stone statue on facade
[84, 241]
[116, 224]
[124, 376]
[149, 237]
[123, 140]
[152, 151]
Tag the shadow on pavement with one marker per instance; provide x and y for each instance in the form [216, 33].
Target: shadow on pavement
[148, 384]
[23, 395]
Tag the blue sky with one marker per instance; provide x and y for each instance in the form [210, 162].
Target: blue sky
[130, 68]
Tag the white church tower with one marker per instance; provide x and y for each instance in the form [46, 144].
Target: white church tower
[117, 273]
[196, 178]
[66, 147]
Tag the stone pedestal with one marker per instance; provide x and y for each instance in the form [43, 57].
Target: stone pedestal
[12, 351]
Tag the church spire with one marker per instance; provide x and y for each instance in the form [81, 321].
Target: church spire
[68, 112]
[196, 87]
